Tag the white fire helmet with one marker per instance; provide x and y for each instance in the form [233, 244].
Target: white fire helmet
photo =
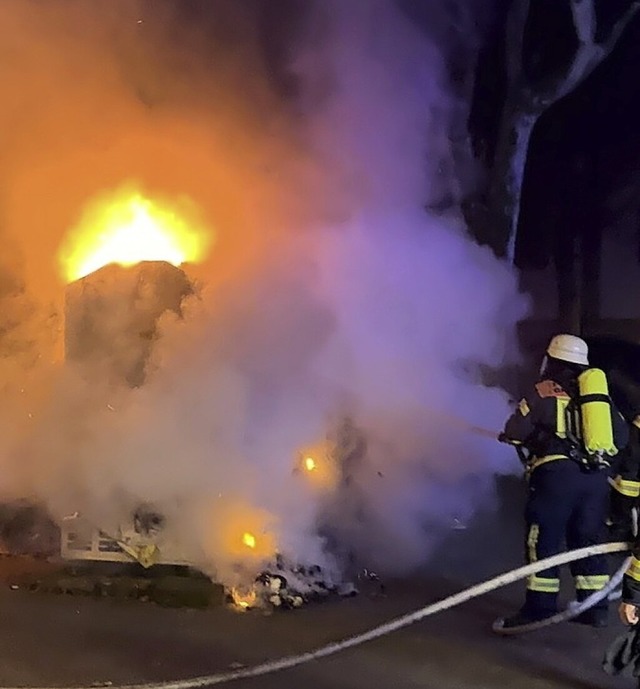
[569, 348]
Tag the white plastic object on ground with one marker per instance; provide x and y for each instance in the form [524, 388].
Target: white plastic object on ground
[288, 662]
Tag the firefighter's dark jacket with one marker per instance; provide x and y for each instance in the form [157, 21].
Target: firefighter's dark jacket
[626, 486]
[627, 490]
[539, 423]
[625, 497]
[626, 393]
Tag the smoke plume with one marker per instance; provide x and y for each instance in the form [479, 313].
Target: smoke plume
[342, 290]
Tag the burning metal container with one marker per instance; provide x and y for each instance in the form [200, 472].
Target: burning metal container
[111, 319]
[111, 316]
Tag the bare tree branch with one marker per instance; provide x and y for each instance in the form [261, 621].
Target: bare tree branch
[587, 58]
[589, 55]
[620, 26]
[584, 20]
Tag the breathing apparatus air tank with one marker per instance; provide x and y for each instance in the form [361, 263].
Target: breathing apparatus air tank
[590, 418]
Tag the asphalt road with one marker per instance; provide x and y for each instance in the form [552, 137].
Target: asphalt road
[49, 640]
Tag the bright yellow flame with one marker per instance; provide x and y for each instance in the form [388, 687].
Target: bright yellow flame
[126, 228]
[243, 600]
[310, 463]
[249, 539]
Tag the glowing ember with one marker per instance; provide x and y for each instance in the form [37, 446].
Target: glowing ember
[126, 228]
[249, 540]
[318, 466]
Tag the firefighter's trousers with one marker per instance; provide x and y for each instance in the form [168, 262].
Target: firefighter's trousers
[566, 505]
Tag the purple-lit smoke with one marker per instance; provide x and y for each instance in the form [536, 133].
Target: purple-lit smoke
[340, 295]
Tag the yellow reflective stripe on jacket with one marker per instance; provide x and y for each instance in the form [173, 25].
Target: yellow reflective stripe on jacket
[591, 582]
[523, 407]
[536, 462]
[542, 584]
[561, 419]
[634, 569]
[629, 488]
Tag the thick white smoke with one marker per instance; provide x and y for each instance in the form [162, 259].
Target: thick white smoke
[360, 303]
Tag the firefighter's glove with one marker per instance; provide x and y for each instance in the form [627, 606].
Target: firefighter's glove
[628, 614]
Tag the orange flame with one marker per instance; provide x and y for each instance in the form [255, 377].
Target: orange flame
[126, 228]
[310, 464]
[244, 534]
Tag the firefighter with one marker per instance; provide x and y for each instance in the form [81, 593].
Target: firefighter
[623, 654]
[567, 430]
[628, 610]
[626, 484]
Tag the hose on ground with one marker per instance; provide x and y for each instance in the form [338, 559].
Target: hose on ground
[288, 662]
[573, 610]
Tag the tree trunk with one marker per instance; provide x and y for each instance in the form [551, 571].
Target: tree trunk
[592, 283]
[508, 179]
[570, 284]
[592, 237]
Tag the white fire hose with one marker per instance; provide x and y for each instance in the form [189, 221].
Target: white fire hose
[288, 662]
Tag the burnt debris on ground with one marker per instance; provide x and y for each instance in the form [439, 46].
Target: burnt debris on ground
[285, 586]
